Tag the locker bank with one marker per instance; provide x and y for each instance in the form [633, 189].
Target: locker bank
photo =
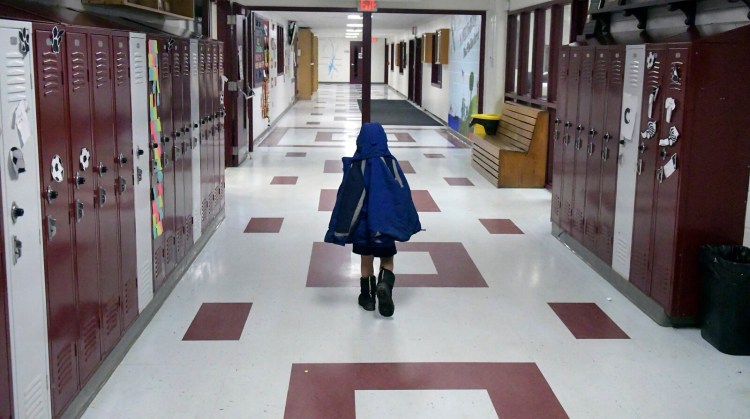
[166, 187]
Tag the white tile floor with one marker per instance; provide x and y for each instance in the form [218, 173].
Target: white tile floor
[658, 373]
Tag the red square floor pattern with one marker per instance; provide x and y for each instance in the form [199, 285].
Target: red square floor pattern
[296, 154]
[458, 181]
[587, 321]
[500, 226]
[322, 391]
[284, 180]
[219, 321]
[264, 225]
[422, 200]
[331, 266]
[434, 156]
[335, 166]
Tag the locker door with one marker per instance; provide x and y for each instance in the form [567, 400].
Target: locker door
[630, 122]
[157, 160]
[167, 145]
[674, 78]
[124, 187]
[24, 271]
[103, 159]
[187, 149]
[570, 125]
[559, 139]
[579, 145]
[204, 67]
[640, 267]
[57, 172]
[177, 131]
[221, 115]
[85, 196]
[141, 164]
[6, 394]
[214, 131]
[593, 147]
[608, 154]
[195, 112]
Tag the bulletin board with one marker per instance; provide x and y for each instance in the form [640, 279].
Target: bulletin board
[259, 50]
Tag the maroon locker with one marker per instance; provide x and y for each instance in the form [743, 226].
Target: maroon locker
[6, 392]
[222, 127]
[609, 152]
[559, 138]
[168, 160]
[57, 172]
[178, 125]
[579, 144]
[594, 145]
[571, 123]
[125, 181]
[103, 162]
[204, 70]
[640, 265]
[215, 150]
[84, 194]
[212, 131]
[187, 147]
[667, 188]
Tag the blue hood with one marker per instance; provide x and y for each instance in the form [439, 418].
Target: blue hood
[371, 142]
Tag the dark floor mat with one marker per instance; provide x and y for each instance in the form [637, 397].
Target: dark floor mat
[397, 112]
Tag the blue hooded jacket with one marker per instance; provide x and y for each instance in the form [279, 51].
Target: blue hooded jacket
[373, 206]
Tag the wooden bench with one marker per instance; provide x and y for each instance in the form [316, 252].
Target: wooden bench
[516, 156]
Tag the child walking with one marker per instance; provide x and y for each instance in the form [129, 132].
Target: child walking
[373, 210]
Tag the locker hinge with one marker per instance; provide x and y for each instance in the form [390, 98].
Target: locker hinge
[231, 20]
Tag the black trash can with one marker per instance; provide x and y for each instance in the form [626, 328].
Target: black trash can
[725, 272]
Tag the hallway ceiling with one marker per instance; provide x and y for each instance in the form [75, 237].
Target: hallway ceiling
[334, 24]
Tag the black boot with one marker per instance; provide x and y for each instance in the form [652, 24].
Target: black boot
[367, 293]
[386, 281]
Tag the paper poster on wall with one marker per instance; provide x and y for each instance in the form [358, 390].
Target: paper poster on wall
[464, 71]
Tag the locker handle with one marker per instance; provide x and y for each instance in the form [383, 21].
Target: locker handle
[579, 143]
[101, 168]
[79, 180]
[639, 167]
[139, 152]
[605, 154]
[122, 159]
[15, 212]
[592, 132]
[663, 153]
[17, 246]
[51, 227]
[590, 148]
[123, 185]
[51, 194]
[102, 197]
[607, 136]
[568, 124]
[165, 139]
[660, 175]
[154, 146]
[195, 125]
[642, 147]
[557, 121]
[79, 210]
[177, 134]
[579, 128]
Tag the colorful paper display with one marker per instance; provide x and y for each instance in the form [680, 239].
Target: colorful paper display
[157, 193]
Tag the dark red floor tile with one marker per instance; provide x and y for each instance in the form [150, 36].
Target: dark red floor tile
[333, 166]
[324, 136]
[423, 201]
[219, 321]
[500, 226]
[284, 180]
[517, 390]
[434, 156]
[327, 199]
[587, 321]
[458, 181]
[331, 266]
[296, 154]
[264, 225]
[404, 137]
[274, 137]
[406, 166]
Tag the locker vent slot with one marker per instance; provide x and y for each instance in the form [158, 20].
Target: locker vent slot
[51, 73]
[139, 68]
[64, 371]
[616, 69]
[157, 263]
[90, 339]
[127, 302]
[168, 251]
[634, 73]
[194, 62]
[16, 77]
[186, 64]
[102, 68]
[34, 396]
[622, 252]
[112, 316]
[121, 67]
[79, 70]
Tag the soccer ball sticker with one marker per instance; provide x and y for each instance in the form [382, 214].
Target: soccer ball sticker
[84, 159]
[57, 170]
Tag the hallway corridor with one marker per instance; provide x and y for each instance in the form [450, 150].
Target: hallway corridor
[494, 317]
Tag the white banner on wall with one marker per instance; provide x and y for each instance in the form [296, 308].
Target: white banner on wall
[464, 69]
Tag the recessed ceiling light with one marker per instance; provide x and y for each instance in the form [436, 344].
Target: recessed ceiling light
[354, 25]
[354, 17]
[354, 30]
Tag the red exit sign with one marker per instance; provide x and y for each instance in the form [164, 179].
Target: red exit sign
[368, 6]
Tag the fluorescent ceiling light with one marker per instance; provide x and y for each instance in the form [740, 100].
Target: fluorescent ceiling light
[354, 30]
[355, 17]
[354, 25]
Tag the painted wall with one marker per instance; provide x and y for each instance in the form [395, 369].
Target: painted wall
[333, 60]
